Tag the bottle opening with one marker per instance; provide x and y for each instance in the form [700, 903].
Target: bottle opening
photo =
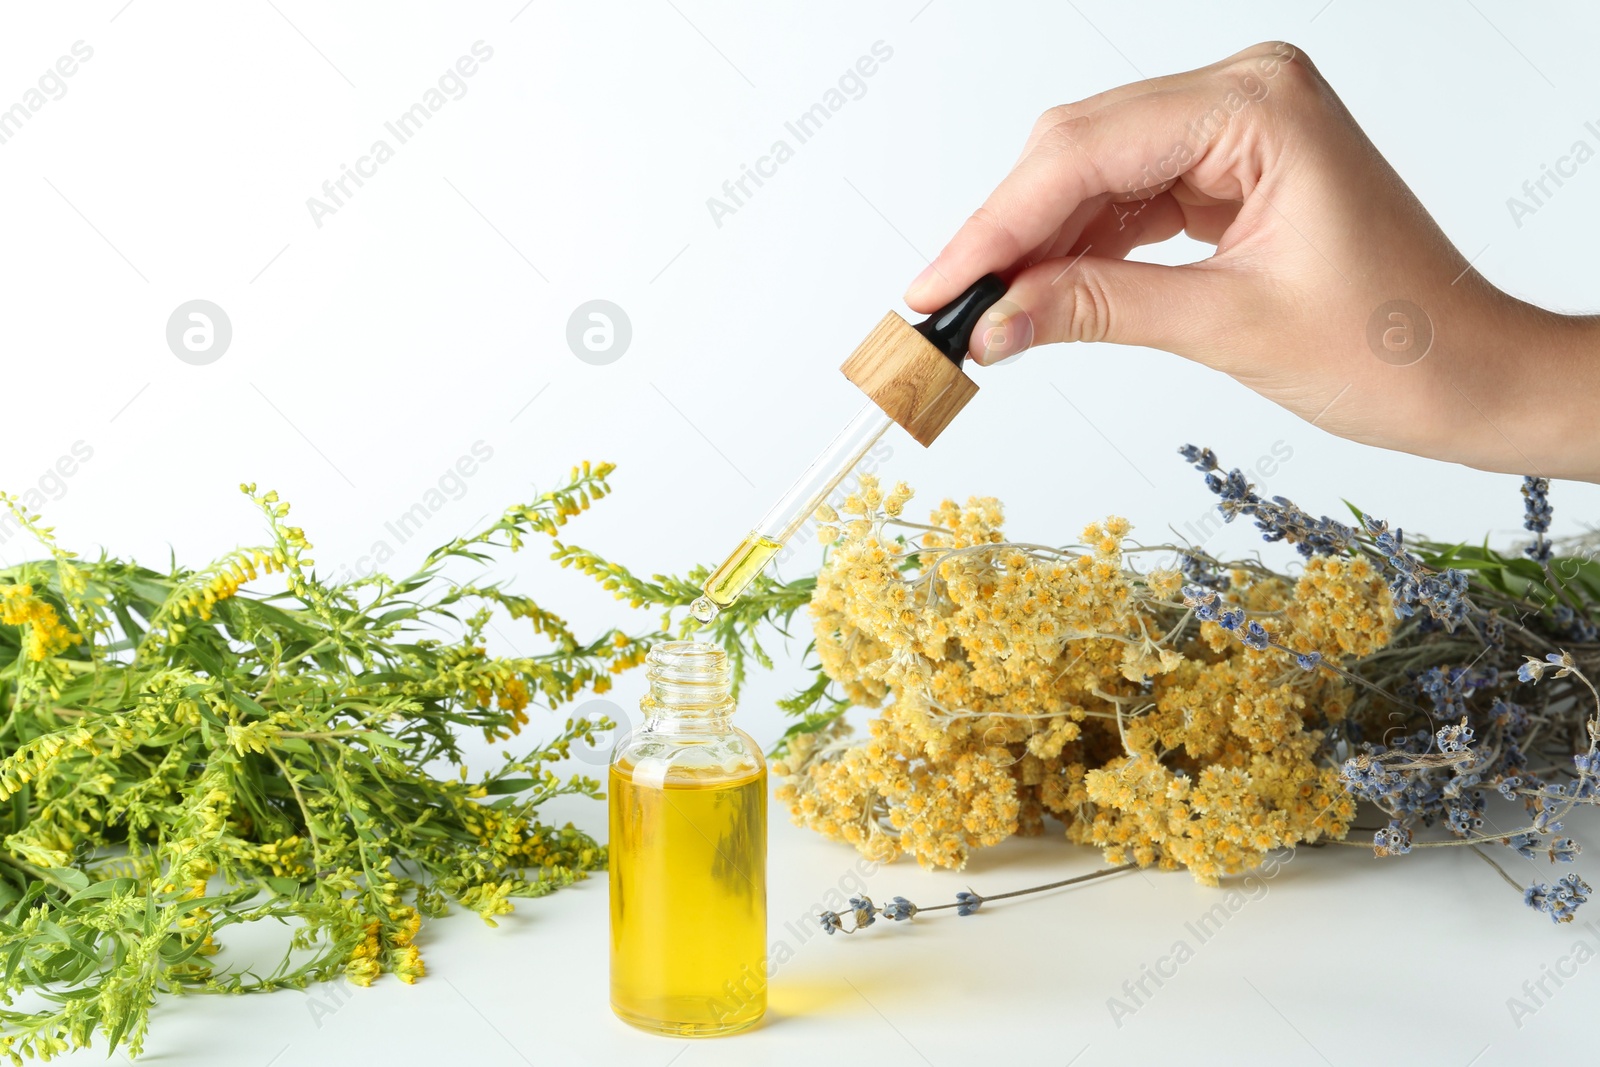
[687, 674]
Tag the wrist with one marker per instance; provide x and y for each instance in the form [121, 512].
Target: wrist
[1550, 394]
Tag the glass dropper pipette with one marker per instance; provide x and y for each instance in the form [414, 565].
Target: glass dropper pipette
[791, 511]
[947, 331]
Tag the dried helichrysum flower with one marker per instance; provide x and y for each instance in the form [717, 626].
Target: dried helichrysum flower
[1016, 682]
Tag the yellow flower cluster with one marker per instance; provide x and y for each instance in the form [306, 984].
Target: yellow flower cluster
[490, 899]
[363, 966]
[1022, 682]
[45, 634]
[36, 759]
[391, 943]
[404, 957]
[628, 653]
[552, 510]
[510, 696]
[224, 578]
[285, 858]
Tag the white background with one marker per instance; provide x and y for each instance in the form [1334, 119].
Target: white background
[429, 313]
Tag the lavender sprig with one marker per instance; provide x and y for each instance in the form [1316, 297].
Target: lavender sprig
[1442, 594]
[1536, 516]
[1560, 901]
[1207, 605]
[1438, 775]
[1279, 519]
[864, 912]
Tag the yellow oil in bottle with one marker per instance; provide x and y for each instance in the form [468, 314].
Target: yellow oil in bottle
[688, 900]
[729, 580]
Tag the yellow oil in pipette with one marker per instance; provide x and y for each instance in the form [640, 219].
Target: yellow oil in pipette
[948, 331]
[728, 580]
[786, 516]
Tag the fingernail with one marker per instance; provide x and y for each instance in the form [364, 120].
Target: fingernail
[921, 281]
[1007, 331]
[994, 343]
[991, 339]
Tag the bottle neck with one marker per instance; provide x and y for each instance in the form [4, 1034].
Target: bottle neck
[690, 688]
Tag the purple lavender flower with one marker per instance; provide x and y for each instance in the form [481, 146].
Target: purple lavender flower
[1560, 901]
[1573, 626]
[1536, 516]
[1442, 595]
[1278, 519]
[1392, 840]
[899, 909]
[1455, 738]
[1255, 637]
[1207, 604]
[1524, 845]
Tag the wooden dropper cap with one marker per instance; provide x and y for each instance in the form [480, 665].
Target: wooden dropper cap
[914, 372]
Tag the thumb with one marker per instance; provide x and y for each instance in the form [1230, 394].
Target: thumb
[1187, 310]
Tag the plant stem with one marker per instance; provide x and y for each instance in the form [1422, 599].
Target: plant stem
[1512, 882]
[1041, 888]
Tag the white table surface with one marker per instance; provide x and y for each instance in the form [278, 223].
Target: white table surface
[1339, 959]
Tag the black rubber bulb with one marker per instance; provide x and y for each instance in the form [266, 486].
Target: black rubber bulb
[950, 328]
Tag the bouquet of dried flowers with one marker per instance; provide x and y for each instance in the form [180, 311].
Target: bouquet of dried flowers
[1178, 710]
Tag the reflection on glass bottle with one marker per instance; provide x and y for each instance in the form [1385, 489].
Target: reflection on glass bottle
[688, 802]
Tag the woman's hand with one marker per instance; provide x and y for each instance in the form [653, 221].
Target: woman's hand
[1332, 292]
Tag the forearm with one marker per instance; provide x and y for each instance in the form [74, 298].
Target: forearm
[1527, 399]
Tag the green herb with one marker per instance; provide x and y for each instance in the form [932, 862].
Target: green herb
[180, 754]
[765, 604]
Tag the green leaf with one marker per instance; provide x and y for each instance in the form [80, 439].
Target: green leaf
[1586, 571]
[207, 659]
[108, 888]
[77, 880]
[1526, 568]
[1467, 563]
[503, 786]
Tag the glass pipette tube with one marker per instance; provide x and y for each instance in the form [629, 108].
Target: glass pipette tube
[949, 332]
[791, 511]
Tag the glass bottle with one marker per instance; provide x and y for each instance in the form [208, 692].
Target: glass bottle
[688, 806]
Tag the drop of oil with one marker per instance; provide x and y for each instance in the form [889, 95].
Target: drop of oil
[703, 609]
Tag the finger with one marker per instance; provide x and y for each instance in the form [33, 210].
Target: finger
[1166, 82]
[1066, 236]
[1107, 151]
[1135, 144]
[1187, 310]
[1120, 227]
